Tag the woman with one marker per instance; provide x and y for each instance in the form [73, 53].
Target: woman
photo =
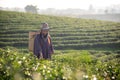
[42, 44]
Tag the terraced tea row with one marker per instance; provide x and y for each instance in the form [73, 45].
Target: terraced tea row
[66, 32]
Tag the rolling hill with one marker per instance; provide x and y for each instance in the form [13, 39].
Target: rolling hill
[66, 32]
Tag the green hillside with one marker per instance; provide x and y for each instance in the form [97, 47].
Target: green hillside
[67, 33]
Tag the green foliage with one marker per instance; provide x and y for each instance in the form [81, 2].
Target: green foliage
[67, 33]
[65, 65]
[31, 8]
[28, 67]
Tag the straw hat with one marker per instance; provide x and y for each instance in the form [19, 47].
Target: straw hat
[45, 26]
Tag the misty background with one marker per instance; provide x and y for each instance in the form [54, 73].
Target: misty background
[94, 9]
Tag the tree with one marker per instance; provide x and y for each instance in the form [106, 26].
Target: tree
[31, 9]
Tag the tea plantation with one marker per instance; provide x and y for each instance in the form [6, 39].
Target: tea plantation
[67, 33]
[84, 49]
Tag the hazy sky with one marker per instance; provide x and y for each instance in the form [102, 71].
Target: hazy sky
[58, 4]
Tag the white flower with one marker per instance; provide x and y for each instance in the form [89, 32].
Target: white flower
[27, 68]
[94, 77]
[105, 73]
[50, 75]
[34, 68]
[64, 77]
[38, 63]
[43, 71]
[11, 58]
[19, 62]
[24, 58]
[44, 66]
[26, 61]
[113, 77]
[8, 67]
[85, 76]
[8, 50]
[29, 74]
[48, 71]
[45, 78]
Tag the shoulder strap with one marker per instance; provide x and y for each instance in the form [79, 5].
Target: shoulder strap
[49, 39]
